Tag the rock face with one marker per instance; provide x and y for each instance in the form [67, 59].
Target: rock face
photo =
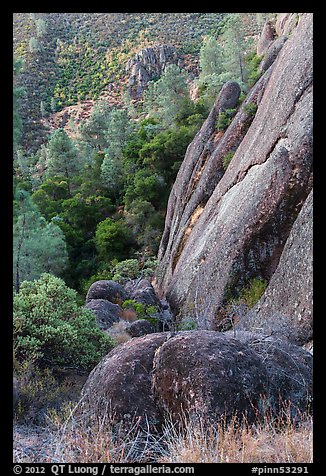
[105, 311]
[224, 228]
[143, 292]
[266, 38]
[285, 308]
[204, 373]
[107, 289]
[146, 65]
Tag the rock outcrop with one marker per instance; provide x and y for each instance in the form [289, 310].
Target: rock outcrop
[146, 65]
[200, 373]
[285, 308]
[105, 311]
[224, 228]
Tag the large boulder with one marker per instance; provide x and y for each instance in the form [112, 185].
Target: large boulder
[286, 307]
[107, 289]
[140, 328]
[143, 291]
[223, 229]
[289, 368]
[105, 311]
[203, 373]
[266, 38]
[121, 384]
[209, 374]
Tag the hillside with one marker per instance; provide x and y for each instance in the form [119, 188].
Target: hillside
[68, 45]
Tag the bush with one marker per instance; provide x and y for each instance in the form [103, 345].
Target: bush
[143, 311]
[112, 240]
[53, 329]
[224, 119]
[227, 159]
[250, 108]
[251, 294]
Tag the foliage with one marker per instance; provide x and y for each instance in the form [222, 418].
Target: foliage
[18, 92]
[62, 155]
[250, 108]
[93, 129]
[38, 246]
[143, 311]
[112, 240]
[54, 329]
[253, 61]
[236, 46]
[133, 268]
[251, 294]
[126, 270]
[227, 159]
[163, 98]
[224, 119]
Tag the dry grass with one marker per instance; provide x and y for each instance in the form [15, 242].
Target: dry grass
[264, 443]
[118, 332]
[76, 440]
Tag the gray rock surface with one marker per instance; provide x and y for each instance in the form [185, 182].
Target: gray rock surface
[289, 368]
[286, 307]
[140, 328]
[121, 384]
[208, 374]
[266, 38]
[105, 311]
[146, 65]
[143, 291]
[107, 289]
[239, 230]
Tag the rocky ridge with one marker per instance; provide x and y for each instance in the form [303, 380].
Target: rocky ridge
[248, 210]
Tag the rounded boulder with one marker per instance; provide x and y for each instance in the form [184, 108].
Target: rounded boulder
[107, 289]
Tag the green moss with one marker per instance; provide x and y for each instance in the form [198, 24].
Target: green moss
[227, 159]
[251, 294]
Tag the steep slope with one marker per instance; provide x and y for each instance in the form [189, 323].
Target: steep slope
[224, 228]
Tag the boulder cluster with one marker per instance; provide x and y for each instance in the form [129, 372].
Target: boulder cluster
[106, 297]
[201, 374]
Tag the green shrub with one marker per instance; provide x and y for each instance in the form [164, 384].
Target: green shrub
[112, 240]
[224, 119]
[250, 108]
[227, 159]
[251, 294]
[143, 311]
[53, 329]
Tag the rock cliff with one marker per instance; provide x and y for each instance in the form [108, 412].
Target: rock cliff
[146, 65]
[225, 227]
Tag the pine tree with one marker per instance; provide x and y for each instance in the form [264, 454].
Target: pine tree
[94, 128]
[37, 246]
[33, 45]
[18, 92]
[165, 97]
[210, 58]
[235, 49]
[119, 130]
[62, 155]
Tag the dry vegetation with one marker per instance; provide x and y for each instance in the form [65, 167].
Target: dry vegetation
[72, 439]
